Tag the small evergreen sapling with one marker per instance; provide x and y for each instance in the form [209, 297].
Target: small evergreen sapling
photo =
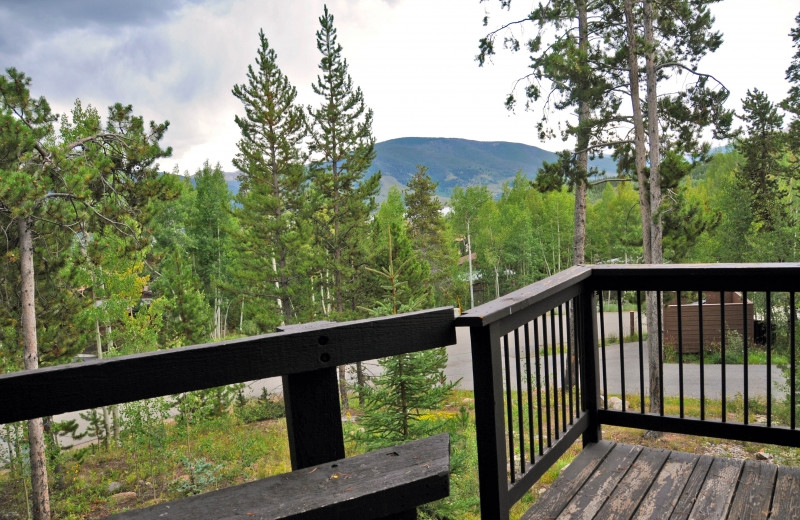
[411, 384]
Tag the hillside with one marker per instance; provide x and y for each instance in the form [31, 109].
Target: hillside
[454, 162]
[460, 162]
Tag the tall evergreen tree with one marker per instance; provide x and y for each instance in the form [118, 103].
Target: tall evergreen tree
[763, 151]
[393, 248]
[792, 102]
[273, 194]
[431, 235]
[567, 69]
[342, 148]
[86, 172]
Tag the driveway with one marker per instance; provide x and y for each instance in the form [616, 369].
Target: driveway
[460, 367]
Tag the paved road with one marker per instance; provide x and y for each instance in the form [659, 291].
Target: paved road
[460, 367]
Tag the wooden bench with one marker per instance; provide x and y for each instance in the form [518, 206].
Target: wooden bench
[383, 484]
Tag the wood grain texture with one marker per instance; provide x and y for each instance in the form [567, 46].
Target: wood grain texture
[588, 501]
[79, 386]
[754, 493]
[313, 417]
[692, 489]
[557, 496]
[786, 499]
[632, 488]
[665, 491]
[371, 486]
[714, 498]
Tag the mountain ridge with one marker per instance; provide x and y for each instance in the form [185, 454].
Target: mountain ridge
[453, 162]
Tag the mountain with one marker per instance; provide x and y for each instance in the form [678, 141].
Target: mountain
[454, 162]
[460, 162]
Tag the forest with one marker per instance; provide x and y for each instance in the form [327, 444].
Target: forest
[103, 254]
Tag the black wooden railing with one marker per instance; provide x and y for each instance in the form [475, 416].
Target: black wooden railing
[546, 367]
[306, 356]
[551, 365]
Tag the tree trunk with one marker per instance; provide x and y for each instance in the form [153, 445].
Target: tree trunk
[638, 127]
[654, 223]
[582, 145]
[41, 491]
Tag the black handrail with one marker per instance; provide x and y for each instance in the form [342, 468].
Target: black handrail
[505, 472]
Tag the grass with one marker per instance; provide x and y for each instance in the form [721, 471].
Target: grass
[712, 355]
[172, 460]
[178, 461]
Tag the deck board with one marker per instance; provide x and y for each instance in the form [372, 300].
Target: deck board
[692, 489]
[715, 496]
[786, 500]
[610, 481]
[633, 487]
[756, 486]
[665, 492]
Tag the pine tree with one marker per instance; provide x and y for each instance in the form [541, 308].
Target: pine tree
[413, 383]
[792, 102]
[273, 194]
[342, 148]
[763, 150]
[431, 235]
[86, 172]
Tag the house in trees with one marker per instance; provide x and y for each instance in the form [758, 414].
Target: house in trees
[692, 321]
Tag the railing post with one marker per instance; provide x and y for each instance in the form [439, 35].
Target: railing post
[313, 417]
[590, 374]
[489, 422]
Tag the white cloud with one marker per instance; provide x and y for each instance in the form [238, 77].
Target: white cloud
[414, 60]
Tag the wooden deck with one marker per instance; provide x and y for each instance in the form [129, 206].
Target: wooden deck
[619, 481]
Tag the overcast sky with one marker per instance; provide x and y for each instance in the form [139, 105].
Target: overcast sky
[177, 60]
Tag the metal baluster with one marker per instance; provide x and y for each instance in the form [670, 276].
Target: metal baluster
[769, 359]
[723, 347]
[621, 349]
[680, 354]
[509, 411]
[641, 350]
[660, 352]
[603, 351]
[520, 414]
[538, 384]
[531, 439]
[553, 344]
[546, 381]
[563, 374]
[702, 357]
[793, 361]
[746, 362]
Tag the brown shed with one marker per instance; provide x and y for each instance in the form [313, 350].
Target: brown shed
[712, 309]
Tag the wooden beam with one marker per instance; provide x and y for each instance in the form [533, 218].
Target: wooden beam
[370, 486]
[79, 386]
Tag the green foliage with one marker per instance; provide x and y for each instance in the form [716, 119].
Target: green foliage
[342, 148]
[211, 234]
[397, 400]
[432, 236]
[263, 408]
[202, 476]
[275, 251]
[792, 102]
[763, 151]
[614, 226]
[201, 405]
